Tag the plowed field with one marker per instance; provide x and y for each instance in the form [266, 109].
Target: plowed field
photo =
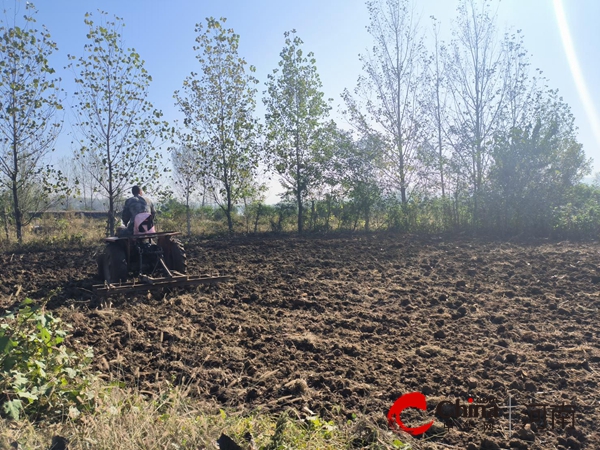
[345, 324]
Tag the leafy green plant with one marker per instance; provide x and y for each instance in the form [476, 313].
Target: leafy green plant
[38, 373]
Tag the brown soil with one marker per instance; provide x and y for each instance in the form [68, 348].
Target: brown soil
[346, 324]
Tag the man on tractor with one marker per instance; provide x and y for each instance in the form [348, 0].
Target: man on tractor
[138, 213]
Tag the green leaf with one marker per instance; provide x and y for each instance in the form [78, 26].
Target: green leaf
[13, 408]
[9, 363]
[5, 344]
[45, 335]
[27, 395]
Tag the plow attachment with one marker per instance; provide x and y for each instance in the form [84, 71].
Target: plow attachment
[147, 283]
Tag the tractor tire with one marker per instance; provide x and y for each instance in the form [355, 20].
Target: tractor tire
[100, 262]
[175, 257]
[114, 262]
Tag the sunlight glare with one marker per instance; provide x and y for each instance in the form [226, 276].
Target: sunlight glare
[582, 89]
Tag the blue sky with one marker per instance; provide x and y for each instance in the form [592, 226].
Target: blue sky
[163, 33]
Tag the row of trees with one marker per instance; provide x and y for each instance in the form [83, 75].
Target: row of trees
[465, 122]
[117, 128]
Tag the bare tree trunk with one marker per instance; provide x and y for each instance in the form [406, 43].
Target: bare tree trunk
[258, 212]
[300, 212]
[188, 215]
[438, 113]
[111, 192]
[15, 189]
[111, 215]
[17, 212]
[246, 217]
[299, 185]
[228, 212]
[328, 212]
[5, 220]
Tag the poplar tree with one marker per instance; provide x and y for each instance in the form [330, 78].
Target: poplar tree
[117, 126]
[477, 85]
[298, 130]
[187, 177]
[29, 124]
[218, 104]
[388, 95]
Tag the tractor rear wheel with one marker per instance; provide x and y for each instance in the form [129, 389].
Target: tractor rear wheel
[175, 257]
[114, 263]
[100, 262]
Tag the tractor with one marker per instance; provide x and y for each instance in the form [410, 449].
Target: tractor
[143, 261]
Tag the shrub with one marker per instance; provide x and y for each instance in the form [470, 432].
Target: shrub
[38, 373]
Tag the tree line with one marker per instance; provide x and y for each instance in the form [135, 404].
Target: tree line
[462, 134]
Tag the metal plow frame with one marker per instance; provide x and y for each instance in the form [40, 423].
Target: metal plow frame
[148, 283]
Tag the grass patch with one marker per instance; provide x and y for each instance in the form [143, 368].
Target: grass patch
[128, 420]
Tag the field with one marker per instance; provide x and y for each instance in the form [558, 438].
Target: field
[343, 325]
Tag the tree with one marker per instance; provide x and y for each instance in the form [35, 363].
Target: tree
[437, 106]
[85, 181]
[28, 107]
[253, 199]
[536, 164]
[4, 207]
[389, 94]
[186, 176]
[477, 84]
[298, 132]
[356, 169]
[118, 127]
[71, 181]
[218, 104]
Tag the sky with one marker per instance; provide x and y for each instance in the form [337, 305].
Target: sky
[162, 32]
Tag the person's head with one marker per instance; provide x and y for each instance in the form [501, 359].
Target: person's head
[136, 190]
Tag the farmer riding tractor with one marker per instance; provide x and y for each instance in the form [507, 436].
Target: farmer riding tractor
[143, 253]
[139, 250]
